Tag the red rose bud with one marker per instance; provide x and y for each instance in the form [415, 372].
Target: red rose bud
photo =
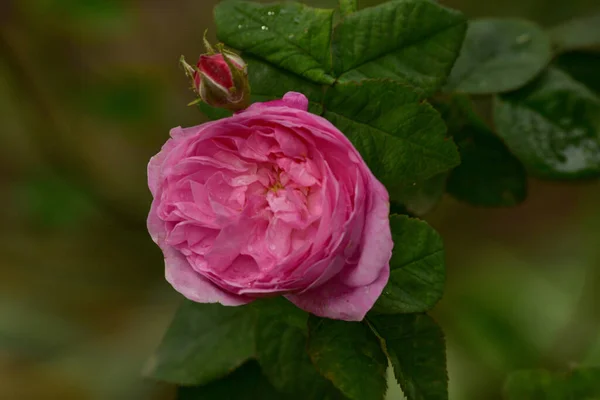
[220, 79]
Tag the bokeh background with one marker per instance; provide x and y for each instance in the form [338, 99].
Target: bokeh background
[88, 92]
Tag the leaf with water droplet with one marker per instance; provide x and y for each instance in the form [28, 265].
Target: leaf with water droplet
[499, 55]
[267, 35]
[411, 41]
[552, 126]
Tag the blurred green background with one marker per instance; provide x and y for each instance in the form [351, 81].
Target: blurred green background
[88, 92]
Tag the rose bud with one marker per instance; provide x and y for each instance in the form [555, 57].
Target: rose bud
[272, 201]
[220, 79]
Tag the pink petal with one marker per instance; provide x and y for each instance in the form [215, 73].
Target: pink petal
[338, 301]
[194, 286]
[155, 166]
[296, 100]
[156, 226]
[291, 99]
[290, 143]
[216, 69]
[377, 241]
[278, 238]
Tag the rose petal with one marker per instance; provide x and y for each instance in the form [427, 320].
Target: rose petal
[338, 301]
[194, 286]
[377, 241]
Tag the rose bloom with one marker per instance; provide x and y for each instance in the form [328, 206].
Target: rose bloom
[271, 201]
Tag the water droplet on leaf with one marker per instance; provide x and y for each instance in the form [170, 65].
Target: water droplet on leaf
[264, 28]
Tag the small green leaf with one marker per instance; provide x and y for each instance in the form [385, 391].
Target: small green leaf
[204, 342]
[411, 41]
[281, 349]
[247, 382]
[552, 126]
[350, 356]
[348, 6]
[577, 34]
[416, 347]
[499, 55]
[417, 268]
[291, 36]
[581, 383]
[401, 138]
[213, 113]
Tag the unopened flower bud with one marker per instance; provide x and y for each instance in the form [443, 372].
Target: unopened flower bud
[220, 79]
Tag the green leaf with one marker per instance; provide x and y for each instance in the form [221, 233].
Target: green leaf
[416, 347]
[489, 175]
[269, 83]
[401, 138]
[552, 126]
[204, 342]
[350, 356]
[422, 197]
[213, 113]
[291, 36]
[247, 382]
[499, 55]
[281, 338]
[348, 6]
[412, 41]
[577, 34]
[580, 383]
[417, 268]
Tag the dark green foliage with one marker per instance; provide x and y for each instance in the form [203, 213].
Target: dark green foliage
[417, 351]
[552, 126]
[246, 382]
[499, 55]
[350, 356]
[417, 267]
[203, 343]
[489, 175]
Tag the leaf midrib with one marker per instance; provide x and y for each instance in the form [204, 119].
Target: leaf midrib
[395, 50]
[286, 39]
[427, 150]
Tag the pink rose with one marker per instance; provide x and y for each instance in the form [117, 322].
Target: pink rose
[271, 201]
